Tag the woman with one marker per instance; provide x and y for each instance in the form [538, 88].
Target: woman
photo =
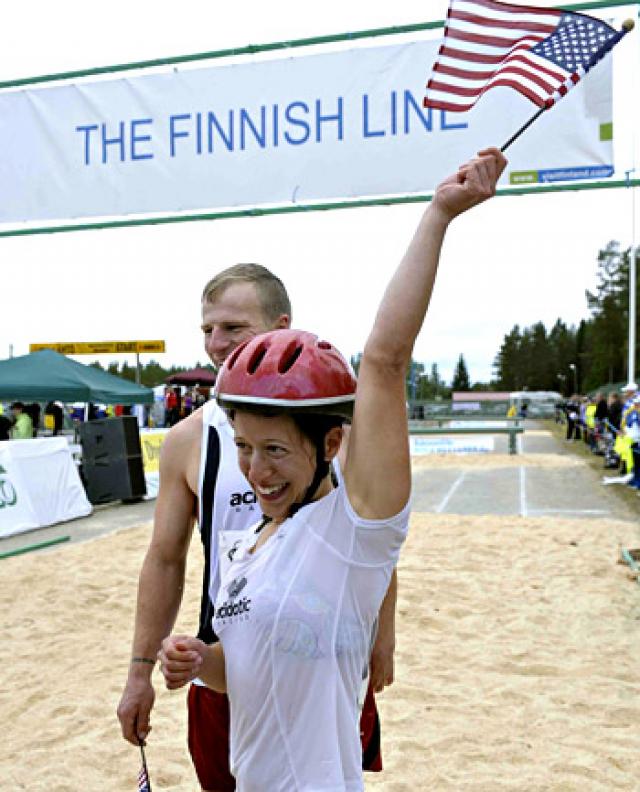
[301, 591]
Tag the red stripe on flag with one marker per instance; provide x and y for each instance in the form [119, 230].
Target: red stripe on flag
[464, 73]
[490, 41]
[457, 90]
[559, 76]
[476, 57]
[472, 57]
[470, 74]
[534, 78]
[437, 105]
[507, 8]
[460, 90]
[521, 89]
[530, 26]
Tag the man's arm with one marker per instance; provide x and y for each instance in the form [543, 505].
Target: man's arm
[382, 664]
[161, 580]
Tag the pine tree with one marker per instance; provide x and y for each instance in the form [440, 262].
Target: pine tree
[461, 380]
[507, 364]
[605, 355]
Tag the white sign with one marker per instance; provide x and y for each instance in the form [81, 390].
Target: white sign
[467, 406]
[340, 125]
[16, 511]
[420, 446]
[39, 485]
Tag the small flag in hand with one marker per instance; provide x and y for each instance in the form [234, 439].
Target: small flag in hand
[144, 784]
[143, 781]
[540, 52]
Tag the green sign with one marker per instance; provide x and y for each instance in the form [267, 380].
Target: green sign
[8, 494]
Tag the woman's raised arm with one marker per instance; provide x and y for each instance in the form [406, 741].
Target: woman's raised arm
[377, 468]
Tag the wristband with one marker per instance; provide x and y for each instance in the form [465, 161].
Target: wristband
[147, 660]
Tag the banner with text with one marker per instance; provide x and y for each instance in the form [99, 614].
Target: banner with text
[340, 125]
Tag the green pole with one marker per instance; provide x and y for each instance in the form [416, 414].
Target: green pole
[39, 546]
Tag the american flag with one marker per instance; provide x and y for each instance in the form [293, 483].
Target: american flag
[143, 780]
[541, 52]
[144, 784]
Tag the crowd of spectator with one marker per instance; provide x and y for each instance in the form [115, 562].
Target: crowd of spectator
[178, 405]
[610, 426]
[20, 421]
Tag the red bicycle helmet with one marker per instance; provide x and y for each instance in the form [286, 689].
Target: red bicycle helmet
[289, 369]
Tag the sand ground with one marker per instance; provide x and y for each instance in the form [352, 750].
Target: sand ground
[517, 662]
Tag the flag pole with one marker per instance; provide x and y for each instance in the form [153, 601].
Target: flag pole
[524, 127]
[627, 26]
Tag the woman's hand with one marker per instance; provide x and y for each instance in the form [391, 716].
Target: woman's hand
[472, 184]
[181, 658]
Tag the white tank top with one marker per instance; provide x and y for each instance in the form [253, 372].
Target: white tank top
[296, 619]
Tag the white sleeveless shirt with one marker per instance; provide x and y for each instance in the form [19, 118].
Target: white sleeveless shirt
[296, 619]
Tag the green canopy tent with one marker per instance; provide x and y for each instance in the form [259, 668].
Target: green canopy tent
[48, 376]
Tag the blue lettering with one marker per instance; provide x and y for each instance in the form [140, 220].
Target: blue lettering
[366, 131]
[174, 133]
[227, 138]
[445, 125]
[297, 122]
[135, 138]
[410, 102]
[118, 141]
[245, 120]
[394, 113]
[320, 119]
[199, 133]
[275, 125]
[87, 135]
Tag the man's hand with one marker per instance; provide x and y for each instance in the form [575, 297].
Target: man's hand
[162, 574]
[134, 709]
[181, 658]
[472, 184]
[381, 663]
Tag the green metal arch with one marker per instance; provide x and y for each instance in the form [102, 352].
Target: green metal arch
[235, 214]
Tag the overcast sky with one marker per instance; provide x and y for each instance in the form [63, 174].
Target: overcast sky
[514, 260]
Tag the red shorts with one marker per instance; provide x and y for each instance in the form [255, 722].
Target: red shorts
[209, 737]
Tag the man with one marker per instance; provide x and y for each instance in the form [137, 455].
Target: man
[623, 442]
[55, 413]
[199, 477]
[171, 407]
[23, 425]
[5, 426]
[572, 410]
[629, 392]
[632, 430]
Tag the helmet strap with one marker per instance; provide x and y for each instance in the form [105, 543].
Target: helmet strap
[321, 472]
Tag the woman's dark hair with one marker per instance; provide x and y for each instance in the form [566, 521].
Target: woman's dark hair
[313, 426]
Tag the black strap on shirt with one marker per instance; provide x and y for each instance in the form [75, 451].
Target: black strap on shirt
[206, 633]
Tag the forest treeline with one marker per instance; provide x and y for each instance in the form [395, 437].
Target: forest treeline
[575, 358]
[565, 358]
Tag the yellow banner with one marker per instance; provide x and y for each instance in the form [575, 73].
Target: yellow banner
[151, 443]
[100, 347]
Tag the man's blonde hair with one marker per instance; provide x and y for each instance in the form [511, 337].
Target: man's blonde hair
[272, 294]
